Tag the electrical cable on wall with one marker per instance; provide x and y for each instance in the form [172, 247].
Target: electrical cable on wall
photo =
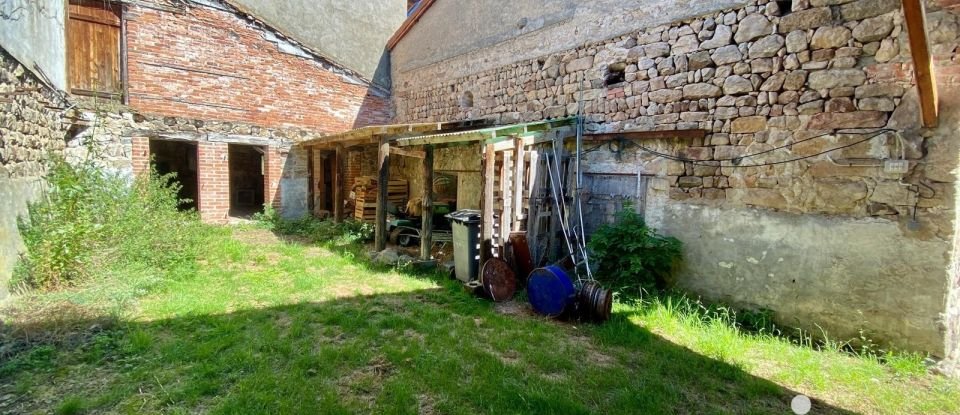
[736, 162]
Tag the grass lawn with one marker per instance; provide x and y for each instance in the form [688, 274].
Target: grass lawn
[263, 325]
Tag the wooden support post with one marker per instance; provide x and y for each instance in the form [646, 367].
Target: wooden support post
[426, 231]
[383, 185]
[506, 190]
[519, 154]
[915, 18]
[486, 212]
[338, 183]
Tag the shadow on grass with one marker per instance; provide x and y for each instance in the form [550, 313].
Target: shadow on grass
[427, 351]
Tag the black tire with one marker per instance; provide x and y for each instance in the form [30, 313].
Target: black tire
[407, 238]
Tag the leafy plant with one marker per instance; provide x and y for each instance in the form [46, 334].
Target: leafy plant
[90, 221]
[632, 257]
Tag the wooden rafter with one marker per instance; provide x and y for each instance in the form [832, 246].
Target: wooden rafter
[915, 18]
[373, 134]
[490, 135]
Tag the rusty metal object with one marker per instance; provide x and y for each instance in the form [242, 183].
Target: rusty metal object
[522, 261]
[596, 302]
[498, 280]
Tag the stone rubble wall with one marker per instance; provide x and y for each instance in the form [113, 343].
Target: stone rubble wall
[828, 241]
[755, 78]
[31, 133]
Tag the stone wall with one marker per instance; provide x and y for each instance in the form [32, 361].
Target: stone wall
[31, 133]
[795, 104]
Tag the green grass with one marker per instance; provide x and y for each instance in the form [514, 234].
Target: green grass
[263, 325]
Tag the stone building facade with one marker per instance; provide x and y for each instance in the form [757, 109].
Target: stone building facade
[785, 204]
[32, 130]
[200, 76]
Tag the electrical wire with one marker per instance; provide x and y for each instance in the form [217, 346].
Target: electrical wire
[737, 160]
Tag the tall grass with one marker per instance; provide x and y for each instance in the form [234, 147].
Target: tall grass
[90, 221]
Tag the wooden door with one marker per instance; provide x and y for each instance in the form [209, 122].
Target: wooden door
[93, 35]
[606, 194]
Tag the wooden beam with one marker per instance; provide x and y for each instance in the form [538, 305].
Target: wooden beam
[383, 180]
[417, 154]
[339, 168]
[519, 164]
[486, 210]
[506, 191]
[915, 18]
[426, 231]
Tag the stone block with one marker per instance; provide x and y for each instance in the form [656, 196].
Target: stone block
[876, 104]
[753, 27]
[663, 96]
[748, 124]
[863, 9]
[766, 47]
[701, 90]
[873, 29]
[855, 119]
[806, 19]
[828, 37]
[736, 85]
[796, 41]
[832, 78]
[879, 90]
[581, 64]
[727, 55]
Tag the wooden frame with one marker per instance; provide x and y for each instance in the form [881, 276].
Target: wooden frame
[915, 19]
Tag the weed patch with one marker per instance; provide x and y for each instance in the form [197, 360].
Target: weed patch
[90, 221]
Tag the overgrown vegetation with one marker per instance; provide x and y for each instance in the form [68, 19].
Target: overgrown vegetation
[314, 229]
[89, 221]
[633, 258]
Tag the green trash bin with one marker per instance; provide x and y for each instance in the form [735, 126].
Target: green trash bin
[466, 243]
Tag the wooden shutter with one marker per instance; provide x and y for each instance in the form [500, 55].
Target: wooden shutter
[93, 34]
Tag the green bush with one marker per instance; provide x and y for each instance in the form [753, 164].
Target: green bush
[89, 221]
[317, 230]
[632, 257]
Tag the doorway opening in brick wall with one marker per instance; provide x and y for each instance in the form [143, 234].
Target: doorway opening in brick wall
[179, 158]
[247, 182]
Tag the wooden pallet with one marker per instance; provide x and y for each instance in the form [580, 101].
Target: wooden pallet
[366, 197]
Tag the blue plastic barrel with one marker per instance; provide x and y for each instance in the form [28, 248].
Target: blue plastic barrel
[550, 290]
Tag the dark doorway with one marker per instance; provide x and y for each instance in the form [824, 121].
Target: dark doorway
[178, 158]
[326, 185]
[246, 180]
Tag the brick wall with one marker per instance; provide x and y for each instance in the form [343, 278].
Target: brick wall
[214, 171]
[276, 160]
[140, 155]
[208, 63]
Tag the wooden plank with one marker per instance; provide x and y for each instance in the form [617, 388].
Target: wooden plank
[519, 163]
[487, 203]
[508, 145]
[506, 189]
[338, 183]
[419, 154]
[93, 48]
[383, 165]
[445, 139]
[426, 232]
[915, 18]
